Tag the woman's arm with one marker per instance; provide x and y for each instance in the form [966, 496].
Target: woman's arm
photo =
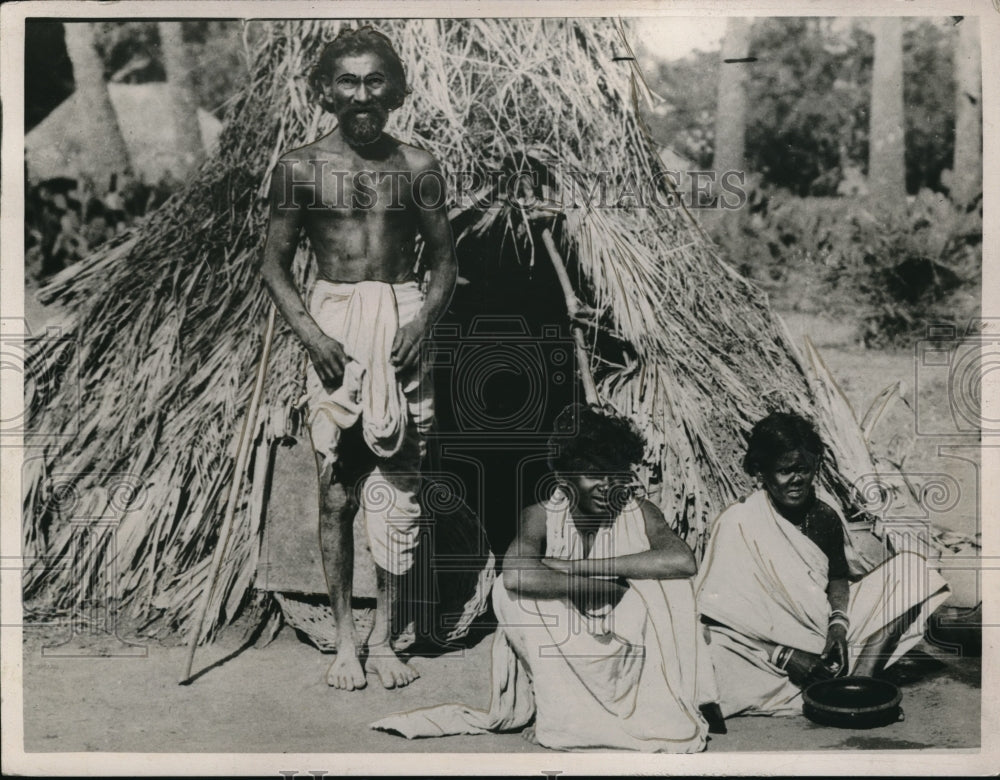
[525, 574]
[668, 557]
[838, 590]
[838, 593]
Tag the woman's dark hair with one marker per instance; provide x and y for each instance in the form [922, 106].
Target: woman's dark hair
[361, 41]
[586, 438]
[776, 434]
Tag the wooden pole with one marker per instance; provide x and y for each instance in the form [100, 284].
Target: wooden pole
[573, 305]
[242, 454]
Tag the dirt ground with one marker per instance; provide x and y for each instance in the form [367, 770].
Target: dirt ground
[96, 694]
[275, 700]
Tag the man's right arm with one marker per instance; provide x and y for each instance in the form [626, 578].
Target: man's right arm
[285, 221]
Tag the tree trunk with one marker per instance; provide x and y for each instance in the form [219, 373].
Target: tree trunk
[97, 123]
[731, 110]
[187, 131]
[730, 121]
[967, 168]
[886, 150]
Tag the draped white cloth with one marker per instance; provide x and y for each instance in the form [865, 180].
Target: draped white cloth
[364, 318]
[766, 580]
[631, 678]
[396, 413]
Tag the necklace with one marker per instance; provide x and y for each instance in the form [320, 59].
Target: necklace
[802, 523]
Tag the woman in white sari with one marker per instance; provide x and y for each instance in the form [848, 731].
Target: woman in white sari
[597, 645]
[774, 592]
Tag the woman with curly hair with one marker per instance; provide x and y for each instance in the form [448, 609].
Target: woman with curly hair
[597, 639]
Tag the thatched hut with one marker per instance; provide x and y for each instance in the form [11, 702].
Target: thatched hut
[169, 319]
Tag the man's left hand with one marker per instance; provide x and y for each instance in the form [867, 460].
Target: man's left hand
[406, 345]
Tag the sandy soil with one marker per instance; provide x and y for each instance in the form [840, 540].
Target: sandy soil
[274, 699]
[88, 693]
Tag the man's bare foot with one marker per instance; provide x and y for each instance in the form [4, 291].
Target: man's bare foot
[346, 673]
[528, 735]
[390, 670]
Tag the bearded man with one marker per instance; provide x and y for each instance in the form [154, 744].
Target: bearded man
[363, 198]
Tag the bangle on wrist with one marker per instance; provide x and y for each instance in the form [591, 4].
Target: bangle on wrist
[780, 656]
[786, 656]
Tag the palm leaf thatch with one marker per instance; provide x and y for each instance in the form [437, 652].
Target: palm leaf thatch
[168, 321]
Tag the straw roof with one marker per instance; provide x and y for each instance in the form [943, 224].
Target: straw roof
[170, 318]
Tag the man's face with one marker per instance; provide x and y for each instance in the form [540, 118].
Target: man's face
[358, 91]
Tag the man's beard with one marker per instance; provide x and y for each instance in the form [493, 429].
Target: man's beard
[366, 128]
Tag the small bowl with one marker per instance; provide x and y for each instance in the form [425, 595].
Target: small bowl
[852, 703]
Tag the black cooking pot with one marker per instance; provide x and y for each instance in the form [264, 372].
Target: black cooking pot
[852, 703]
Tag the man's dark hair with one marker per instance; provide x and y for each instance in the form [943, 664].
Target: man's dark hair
[361, 41]
[777, 434]
[587, 438]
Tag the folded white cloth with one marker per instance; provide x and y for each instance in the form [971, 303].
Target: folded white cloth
[364, 318]
[395, 412]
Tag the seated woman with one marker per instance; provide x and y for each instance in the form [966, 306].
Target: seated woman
[774, 590]
[597, 637]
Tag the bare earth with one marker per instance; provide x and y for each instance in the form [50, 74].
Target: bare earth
[273, 699]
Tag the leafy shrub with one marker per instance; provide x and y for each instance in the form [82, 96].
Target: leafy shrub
[896, 273]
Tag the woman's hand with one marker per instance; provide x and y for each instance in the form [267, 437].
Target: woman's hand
[806, 668]
[834, 656]
[598, 594]
[590, 594]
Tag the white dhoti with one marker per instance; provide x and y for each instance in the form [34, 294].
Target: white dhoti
[396, 413]
[630, 679]
[765, 580]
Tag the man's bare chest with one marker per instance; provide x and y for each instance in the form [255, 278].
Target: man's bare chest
[366, 190]
[349, 188]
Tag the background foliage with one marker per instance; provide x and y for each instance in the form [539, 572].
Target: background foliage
[808, 95]
[131, 53]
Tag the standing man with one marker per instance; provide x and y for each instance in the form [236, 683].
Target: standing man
[363, 198]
